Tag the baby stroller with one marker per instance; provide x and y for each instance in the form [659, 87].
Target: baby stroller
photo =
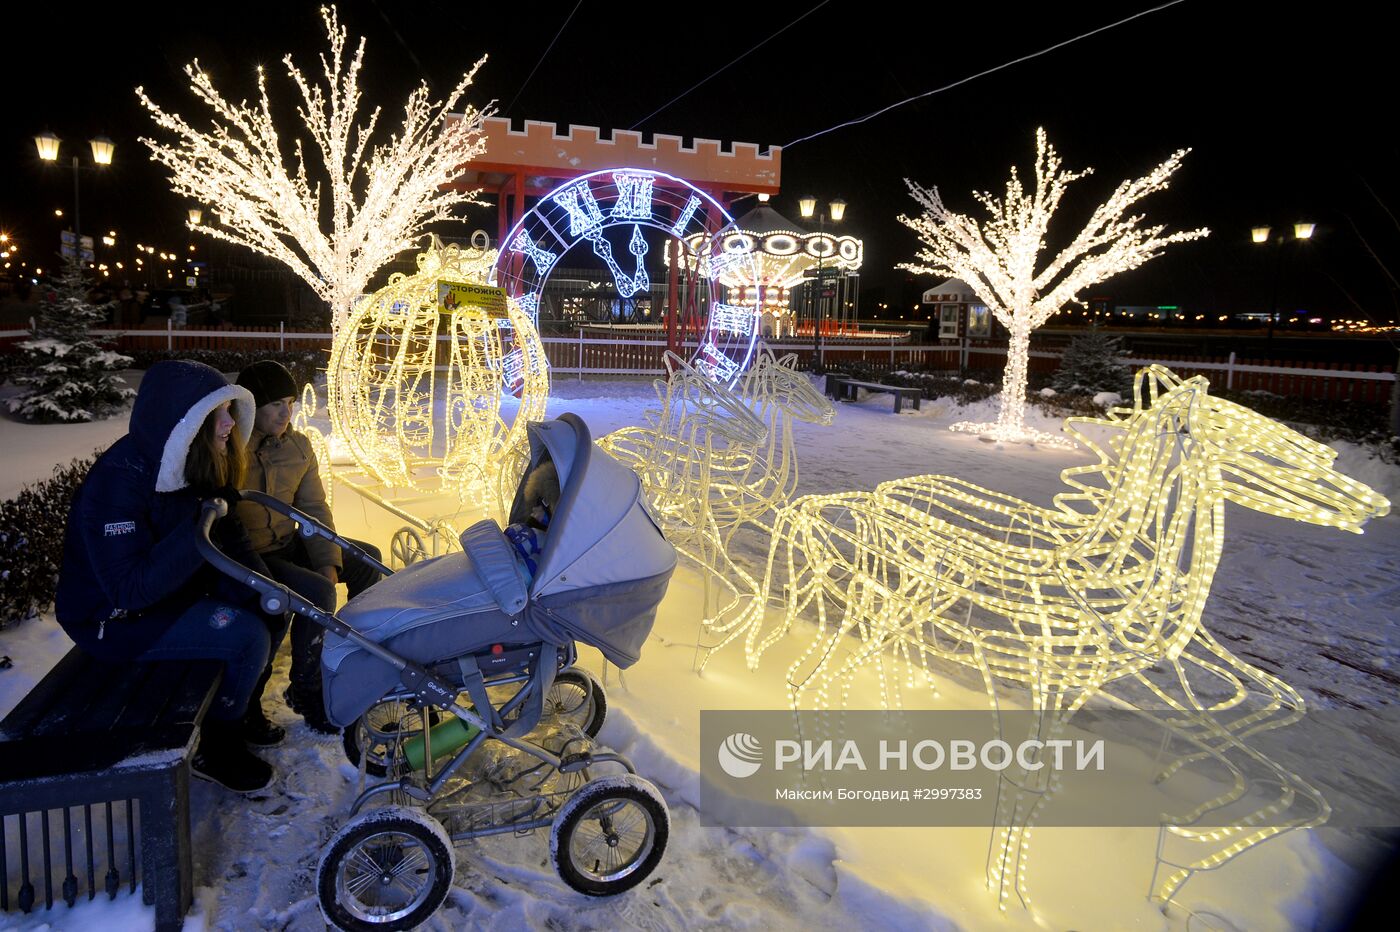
[464, 654]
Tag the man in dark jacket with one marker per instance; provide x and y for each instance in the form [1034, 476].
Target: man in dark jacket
[282, 464]
[133, 585]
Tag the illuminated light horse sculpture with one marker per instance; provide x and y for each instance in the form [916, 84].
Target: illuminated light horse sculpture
[1097, 596]
[700, 424]
[722, 490]
[744, 492]
[747, 493]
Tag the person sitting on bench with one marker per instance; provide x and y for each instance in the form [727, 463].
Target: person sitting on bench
[134, 587]
[281, 463]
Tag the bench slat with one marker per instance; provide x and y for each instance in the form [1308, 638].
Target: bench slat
[187, 701]
[94, 707]
[62, 756]
[144, 706]
[54, 701]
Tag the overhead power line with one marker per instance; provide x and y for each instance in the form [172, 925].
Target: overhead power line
[981, 74]
[731, 64]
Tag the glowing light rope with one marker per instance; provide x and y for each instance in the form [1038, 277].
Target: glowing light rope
[601, 208]
[383, 364]
[998, 259]
[1099, 596]
[717, 462]
[301, 421]
[377, 199]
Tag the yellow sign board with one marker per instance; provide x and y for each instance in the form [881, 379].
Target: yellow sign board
[472, 300]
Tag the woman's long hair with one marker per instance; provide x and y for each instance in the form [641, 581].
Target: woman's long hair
[207, 469]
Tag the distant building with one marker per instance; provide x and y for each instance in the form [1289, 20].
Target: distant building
[957, 312]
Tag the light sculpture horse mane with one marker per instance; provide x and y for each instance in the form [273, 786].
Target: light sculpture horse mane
[699, 423]
[746, 490]
[707, 470]
[1055, 606]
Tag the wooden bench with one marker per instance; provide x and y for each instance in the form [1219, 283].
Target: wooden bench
[116, 738]
[844, 388]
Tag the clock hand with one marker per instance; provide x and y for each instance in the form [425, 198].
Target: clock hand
[638, 247]
[603, 250]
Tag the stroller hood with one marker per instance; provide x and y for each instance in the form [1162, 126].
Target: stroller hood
[605, 565]
[602, 573]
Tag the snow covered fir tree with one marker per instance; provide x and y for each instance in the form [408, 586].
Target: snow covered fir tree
[1091, 364]
[66, 375]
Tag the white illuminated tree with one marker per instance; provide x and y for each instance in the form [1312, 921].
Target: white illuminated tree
[368, 203]
[998, 258]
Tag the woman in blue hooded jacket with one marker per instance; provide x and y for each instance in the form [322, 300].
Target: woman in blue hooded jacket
[133, 585]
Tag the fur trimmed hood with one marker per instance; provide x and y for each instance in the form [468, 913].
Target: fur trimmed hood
[174, 399]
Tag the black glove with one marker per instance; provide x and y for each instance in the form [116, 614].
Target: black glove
[229, 494]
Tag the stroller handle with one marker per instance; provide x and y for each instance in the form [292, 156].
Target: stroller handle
[310, 527]
[276, 598]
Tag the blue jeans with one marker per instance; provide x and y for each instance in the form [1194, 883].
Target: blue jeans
[212, 629]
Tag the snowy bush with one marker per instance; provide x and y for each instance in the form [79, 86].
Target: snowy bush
[31, 542]
[303, 365]
[1090, 364]
[65, 374]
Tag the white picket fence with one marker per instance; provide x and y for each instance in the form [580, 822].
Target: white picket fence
[582, 355]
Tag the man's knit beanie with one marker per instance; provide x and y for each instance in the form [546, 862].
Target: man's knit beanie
[268, 381]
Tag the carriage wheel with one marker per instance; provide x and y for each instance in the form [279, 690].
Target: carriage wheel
[388, 869]
[377, 734]
[610, 835]
[406, 548]
[576, 697]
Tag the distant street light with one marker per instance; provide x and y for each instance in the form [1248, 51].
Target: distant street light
[837, 209]
[1261, 235]
[102, 148]
[195, 215]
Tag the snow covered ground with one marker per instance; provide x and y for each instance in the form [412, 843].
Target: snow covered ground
[1316, 606]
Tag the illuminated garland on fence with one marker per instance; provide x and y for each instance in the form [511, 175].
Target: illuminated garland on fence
[1054, 606]
[998, 260]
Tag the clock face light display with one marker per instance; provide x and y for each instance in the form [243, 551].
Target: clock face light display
[604, 214]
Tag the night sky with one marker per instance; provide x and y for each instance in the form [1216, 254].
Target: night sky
[1290, 115]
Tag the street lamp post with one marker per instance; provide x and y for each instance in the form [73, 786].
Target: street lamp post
[102, 148]
[1261, 235]
[837, 209]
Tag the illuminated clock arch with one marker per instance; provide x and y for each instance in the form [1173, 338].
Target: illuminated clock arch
[605, 212]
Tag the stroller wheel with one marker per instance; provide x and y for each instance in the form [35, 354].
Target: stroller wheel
[576, 697]
[610, 835]
[389, 869]
[406, 548]
[376, 735]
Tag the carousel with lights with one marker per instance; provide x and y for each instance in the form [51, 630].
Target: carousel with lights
[781, 256]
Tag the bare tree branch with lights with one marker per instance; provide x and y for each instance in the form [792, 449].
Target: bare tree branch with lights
[998, 259]
[371, 202]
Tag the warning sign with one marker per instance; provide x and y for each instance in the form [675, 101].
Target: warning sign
[471, 300]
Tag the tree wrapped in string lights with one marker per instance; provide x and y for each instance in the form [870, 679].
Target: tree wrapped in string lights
[378, 199]
[999, 260]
